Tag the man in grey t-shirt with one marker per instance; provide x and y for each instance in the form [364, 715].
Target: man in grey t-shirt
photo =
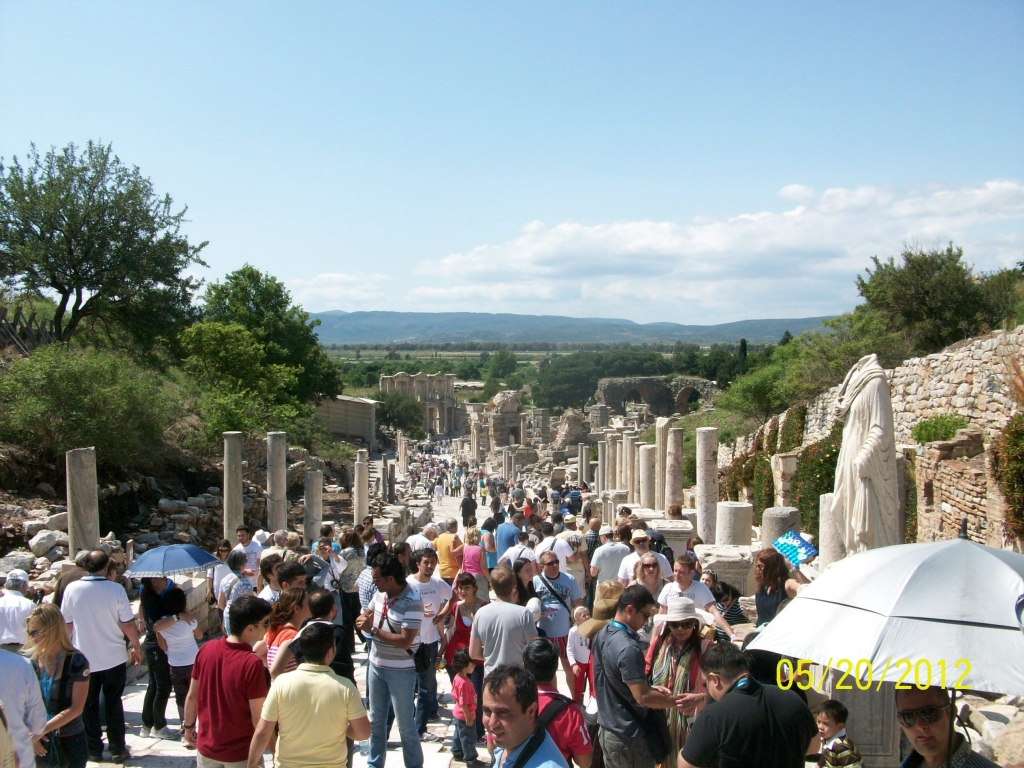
[604, 565]
[502, 629]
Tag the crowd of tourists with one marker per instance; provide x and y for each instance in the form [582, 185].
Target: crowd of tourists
[655, 672]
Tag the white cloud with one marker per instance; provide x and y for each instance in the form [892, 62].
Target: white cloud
[790, 263]
[340, 290]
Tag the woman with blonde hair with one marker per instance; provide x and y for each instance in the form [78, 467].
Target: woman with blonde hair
[474, 561]
[647, 571]
[63, 673]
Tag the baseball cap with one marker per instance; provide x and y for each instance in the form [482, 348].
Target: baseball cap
[569, 519]
[606, 530]
[17, 575]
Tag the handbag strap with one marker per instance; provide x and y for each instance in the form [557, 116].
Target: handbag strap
[532, 745]
[558, 597]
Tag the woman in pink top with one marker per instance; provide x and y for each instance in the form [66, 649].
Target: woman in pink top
[474, 561]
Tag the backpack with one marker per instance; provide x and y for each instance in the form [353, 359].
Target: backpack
[659, 545]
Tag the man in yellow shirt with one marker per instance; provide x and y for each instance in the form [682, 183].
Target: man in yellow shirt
[449, 551]
[314, 709]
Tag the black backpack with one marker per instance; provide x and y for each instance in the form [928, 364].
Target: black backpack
[659, 545]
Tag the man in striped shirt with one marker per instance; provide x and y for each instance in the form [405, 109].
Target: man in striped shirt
[393, 624]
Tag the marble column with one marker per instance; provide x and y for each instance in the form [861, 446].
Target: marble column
[234, 514]
[636, 472]
[612, 478]
[776, 521]
[474, 440]
[734, 524]
[277, 481]
[602, 465]
[661, 428]
[313, 509]
[83, 500]
[648, 474]
[830, 542]
[523, 418]
[512, 467]
[618, 498]
[627, 466]
[391, 485]
[674, 468]
[361, 488]
[583, 463]
[707, 483]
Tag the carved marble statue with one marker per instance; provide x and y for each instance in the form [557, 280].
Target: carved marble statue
[865, 505]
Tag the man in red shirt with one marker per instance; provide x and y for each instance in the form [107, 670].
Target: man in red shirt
[567, 728]
[227, 690]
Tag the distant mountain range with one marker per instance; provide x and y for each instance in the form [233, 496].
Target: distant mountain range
[339, 327]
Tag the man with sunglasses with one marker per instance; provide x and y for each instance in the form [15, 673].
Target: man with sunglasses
[924, 717]
[748, 724]
[559, 594]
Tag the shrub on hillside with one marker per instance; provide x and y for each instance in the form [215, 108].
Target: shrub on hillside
[792, 433]
[941, 427]
[61, 398]
[1008, 468]
[816, 475]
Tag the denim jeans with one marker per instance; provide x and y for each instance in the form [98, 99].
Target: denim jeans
[154, 705]
[395, 686]
[181, 679]
[426, 696]
[464, 741]
[111, 683]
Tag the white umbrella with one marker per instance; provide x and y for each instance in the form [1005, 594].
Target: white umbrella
[941, 613]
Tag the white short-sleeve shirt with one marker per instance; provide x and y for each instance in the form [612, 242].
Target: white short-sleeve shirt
[629, 563]
[97, 607]
[562, 548]
[697, 591]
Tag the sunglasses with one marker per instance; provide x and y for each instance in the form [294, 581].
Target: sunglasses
[928, 715]
[680, 625]
[650, 566]
[548, 565]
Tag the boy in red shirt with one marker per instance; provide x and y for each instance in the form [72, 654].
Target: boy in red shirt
[228, 687]
[567, 729]
[464, 716]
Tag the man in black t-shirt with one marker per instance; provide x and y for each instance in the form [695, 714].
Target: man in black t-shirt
[468, 509]
[749, 724]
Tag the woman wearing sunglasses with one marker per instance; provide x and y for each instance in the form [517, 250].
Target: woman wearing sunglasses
[63, 673]
[673, 662]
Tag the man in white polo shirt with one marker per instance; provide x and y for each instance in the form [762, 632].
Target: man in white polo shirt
[100, 617]
[641, 542]
[684, 585]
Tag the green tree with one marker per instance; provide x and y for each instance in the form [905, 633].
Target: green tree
[756, 394]
[468, 370]
[399, 411]
[226, 357]
[930, 294]
[93, 233]
[502, 364]
[262, 305]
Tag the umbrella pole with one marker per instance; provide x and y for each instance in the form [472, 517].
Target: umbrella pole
[952, 725]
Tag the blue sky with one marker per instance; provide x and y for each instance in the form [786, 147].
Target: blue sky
[660, 162]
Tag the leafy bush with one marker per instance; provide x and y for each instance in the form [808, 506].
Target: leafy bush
[940, 427]
[816, 475]
[1008, 468]
[764, 484]
[60, 398]
[771, 441]
[792, 432]
[514, 381]
[689, 470]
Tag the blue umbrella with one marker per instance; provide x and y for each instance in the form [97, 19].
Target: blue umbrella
[171, 559]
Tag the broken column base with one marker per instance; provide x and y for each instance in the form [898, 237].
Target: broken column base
[731, 563]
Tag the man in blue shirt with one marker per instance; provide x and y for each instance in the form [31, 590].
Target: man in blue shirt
[507, 534]
[510, 716]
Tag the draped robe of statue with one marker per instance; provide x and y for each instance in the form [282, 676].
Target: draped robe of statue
[865, 505]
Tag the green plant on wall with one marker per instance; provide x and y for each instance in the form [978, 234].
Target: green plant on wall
[772, 440]
[764, 485]
[941, 427]
[1008, 468]
[816, 475]
[792, 433]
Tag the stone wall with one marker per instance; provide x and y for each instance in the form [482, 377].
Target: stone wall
[965, 379]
